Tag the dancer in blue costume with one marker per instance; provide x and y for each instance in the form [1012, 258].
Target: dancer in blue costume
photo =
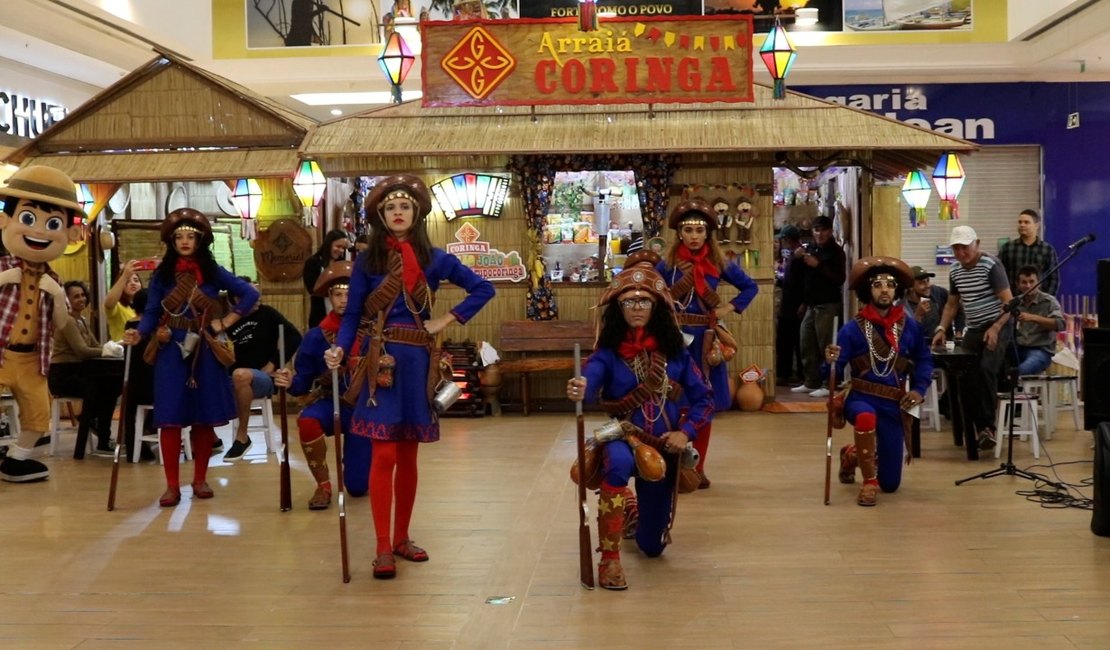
[886, 349]
[390, 303]
[313, 379]
[694, 269]
[191, 387]
[641, 372]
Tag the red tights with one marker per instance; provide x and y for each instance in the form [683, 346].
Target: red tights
[701, 443]
[385, 484]
[201, 436]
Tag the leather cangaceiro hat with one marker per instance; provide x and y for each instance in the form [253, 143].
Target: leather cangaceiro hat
[693, 209]
[400, 185]
[866, 267]
[186, 218]
[336, 273]
[639, 274]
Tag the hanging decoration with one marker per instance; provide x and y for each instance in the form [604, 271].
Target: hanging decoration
[395, 61]
[916, 191]
[309, 185]
[778, 55]
[587, 16]
[471, 195]
[949, 179]
[248, 198]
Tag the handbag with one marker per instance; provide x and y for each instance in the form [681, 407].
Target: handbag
[223, 348]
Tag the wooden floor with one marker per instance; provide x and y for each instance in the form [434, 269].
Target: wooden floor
[757, 560]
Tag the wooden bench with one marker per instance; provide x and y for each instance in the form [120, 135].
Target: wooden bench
[542, 345]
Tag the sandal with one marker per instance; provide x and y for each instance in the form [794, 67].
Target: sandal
[171, 497]
[410, 551]
[202, 491]
[385, 566]
[321, 499]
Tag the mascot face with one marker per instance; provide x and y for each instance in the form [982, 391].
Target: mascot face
[37, 231]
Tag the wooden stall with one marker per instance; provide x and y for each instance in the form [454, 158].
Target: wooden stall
[174, 125]
[706, 148]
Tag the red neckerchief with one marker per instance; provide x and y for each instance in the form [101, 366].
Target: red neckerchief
[331, 322]
[895, 314]
[189, 265]
[636, 340]
[702, 266]
[412, 273]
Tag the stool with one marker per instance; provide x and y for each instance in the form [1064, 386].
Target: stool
[8, 404]
[140, 416]
[265, 405]
[931, 407]
[1025, 425]
[1047, 387]
[56, 404]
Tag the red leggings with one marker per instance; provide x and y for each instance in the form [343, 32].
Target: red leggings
[202, 436]
[385, 483]
[701, 443]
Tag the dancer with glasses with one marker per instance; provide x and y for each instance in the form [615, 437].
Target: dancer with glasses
[694, 268]
[885, 348]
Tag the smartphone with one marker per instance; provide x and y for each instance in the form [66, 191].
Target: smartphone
[147, 265]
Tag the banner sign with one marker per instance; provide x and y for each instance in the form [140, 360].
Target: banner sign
[630, 60]
[485, 260]
[569, 8]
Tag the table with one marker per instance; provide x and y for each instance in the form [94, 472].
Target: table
[956, 363]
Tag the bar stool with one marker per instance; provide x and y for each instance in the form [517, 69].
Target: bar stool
[931, 407]
[265, 406]
[140, 416]
[8, 403]
[1024, 426]
[56, 404]
[1048, 387]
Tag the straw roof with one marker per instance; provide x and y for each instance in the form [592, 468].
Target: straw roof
[767, 127]
[170, 120]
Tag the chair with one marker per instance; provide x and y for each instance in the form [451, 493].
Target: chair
[931, 408]
[56, 403]
[1047, 388]
[265, 406]
[140, 416]
[11, 409]
[1025, 425]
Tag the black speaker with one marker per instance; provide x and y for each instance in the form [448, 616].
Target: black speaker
[1100, 517]
[1104, 293]
[1096, 377]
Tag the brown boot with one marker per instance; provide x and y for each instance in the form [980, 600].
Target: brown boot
[610, 527]
[865, 456]
[847, 464]
[631, 513]
[316, 455]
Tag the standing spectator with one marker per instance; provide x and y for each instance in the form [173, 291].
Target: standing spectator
[979, 283]
[694, 270]
[333, 249]
[1038, 321]
[393, 291]
[256, 358]
[788, 349]
[118, 303]
[823, 300]
[191, 385]
[925, 301]
[1030, 250]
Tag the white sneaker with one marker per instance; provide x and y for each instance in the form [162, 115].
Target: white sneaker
[800, 389]
[820, 392]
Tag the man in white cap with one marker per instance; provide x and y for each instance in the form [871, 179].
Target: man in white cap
[980, 284]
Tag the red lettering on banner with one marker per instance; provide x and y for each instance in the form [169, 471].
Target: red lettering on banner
[603, 75]
[631, 65]
[720, 76]
[543, 83]
[574, 76]
[601, 71]
[688, 76]
[659, 74]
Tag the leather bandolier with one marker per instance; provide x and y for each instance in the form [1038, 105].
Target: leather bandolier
[204, 308]
[684, 289]
[656, 382]
[902, 368]
[372, 325]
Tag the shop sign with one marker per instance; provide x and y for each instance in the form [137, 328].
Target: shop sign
[569, 8]
[484, 260]
[281, 250]
[629, 60]
[27, 117]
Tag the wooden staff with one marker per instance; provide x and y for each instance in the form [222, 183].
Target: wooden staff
[337, 434]
[286, 489]
[585, 548]
[829, 419]
[119, 430]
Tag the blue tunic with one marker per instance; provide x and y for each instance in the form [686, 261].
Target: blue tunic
[402, 411]
[210, 401]
[734, 275]
[890, 434]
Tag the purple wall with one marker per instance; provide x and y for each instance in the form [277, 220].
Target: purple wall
[1076, 161]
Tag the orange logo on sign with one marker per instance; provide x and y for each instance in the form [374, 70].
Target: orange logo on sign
[478, 63]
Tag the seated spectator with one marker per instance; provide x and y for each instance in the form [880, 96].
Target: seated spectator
[118, 305]
[1039, 319]
[76, 370]
[256, 358]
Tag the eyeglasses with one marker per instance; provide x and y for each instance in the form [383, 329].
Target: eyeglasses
[637, 303]
[884, 284]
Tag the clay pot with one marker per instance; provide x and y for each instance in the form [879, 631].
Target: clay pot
[489, 380]
[749, 397]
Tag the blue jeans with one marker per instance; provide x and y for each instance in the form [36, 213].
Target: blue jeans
[1033, 361]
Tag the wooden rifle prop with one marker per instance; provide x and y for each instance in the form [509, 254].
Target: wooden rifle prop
[286, 488]
[829, 419]
[119, 430]
[585, 547]
[337, 435]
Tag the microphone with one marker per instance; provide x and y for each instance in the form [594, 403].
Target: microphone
[1082, 242]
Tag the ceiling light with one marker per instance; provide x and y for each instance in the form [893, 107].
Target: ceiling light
[336, 111]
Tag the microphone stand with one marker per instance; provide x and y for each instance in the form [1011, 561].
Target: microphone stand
[1014, 308]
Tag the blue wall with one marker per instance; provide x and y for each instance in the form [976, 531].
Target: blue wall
[1076, 161]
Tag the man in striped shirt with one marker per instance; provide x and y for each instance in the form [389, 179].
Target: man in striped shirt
[980, 283]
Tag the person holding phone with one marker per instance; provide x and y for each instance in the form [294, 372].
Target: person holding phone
[118, 303]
